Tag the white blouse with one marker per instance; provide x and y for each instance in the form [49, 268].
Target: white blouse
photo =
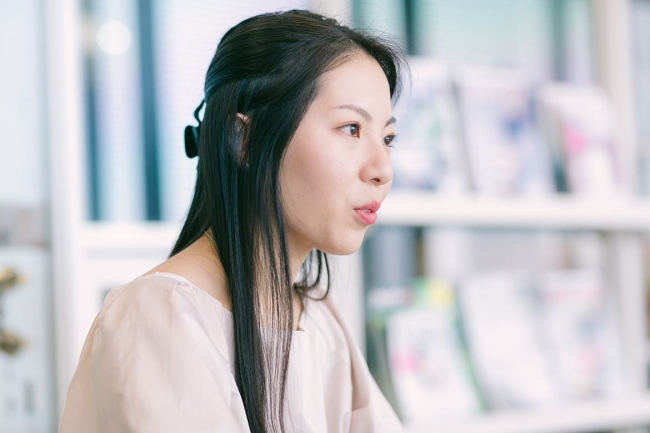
[159, 358]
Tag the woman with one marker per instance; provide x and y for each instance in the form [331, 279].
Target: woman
[231, 333]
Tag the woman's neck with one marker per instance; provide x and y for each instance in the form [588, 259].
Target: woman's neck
[200, 264]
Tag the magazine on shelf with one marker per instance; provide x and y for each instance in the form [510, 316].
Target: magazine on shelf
[580, 130]
[431, 377]
[500, 313]
[427, 153]
[502, 140]
[580, 333]
[417, 354]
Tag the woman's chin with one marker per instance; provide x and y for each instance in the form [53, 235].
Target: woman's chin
[345, 247]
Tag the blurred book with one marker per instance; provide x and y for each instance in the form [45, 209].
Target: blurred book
[501, 340]
[505, 339]
[427, 152]
[503, 143]
[429, 368]
[579, 127]
[537, 340]
[580, 333]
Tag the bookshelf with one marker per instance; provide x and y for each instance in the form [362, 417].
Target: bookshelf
[620, 220]
[81, 249]
[578, 417]
[417, 208]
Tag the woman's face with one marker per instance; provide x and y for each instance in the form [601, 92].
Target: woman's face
[337, 169]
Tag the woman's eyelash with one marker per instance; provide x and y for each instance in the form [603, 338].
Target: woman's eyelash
[356, 126]
[392, 138]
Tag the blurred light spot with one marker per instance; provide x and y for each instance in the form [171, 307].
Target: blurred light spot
[113, 37]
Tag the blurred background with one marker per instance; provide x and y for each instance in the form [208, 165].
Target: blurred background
[504, 287]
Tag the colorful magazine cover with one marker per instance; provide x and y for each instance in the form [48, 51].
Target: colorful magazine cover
[504, 147]
[429, 368]
[500, 313]
[580, 333]
[580, 129]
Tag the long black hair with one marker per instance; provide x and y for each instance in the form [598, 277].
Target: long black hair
[263, 77]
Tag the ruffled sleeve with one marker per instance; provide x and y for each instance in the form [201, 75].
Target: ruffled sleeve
[155, 361]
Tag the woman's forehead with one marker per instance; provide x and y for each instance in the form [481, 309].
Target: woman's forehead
[358, 83]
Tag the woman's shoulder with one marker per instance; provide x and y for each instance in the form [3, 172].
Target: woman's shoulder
[156, 359]
[167, 305]
[163, 289]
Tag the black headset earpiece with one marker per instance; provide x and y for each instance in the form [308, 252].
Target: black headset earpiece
[191, 141]
[192, 134]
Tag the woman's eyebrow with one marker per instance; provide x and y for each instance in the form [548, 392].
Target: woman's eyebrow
[363, 113]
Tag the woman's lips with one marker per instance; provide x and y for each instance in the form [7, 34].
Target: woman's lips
[366, 216]
[368, 212]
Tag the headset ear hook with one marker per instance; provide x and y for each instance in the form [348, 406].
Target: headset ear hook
[192, 134]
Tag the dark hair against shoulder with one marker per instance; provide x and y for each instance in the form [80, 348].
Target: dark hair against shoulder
[267, 68]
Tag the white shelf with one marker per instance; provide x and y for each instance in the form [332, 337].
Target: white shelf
[417, 208]
[579, 417]
[420, 208]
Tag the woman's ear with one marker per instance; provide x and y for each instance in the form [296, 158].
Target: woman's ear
[243, 117]
[242, 136]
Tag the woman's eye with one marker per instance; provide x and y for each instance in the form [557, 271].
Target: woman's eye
[352, 129]
[388, 140]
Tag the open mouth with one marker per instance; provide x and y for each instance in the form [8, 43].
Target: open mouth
[368, 212]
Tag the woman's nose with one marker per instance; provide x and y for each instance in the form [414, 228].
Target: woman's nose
[378, 168]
